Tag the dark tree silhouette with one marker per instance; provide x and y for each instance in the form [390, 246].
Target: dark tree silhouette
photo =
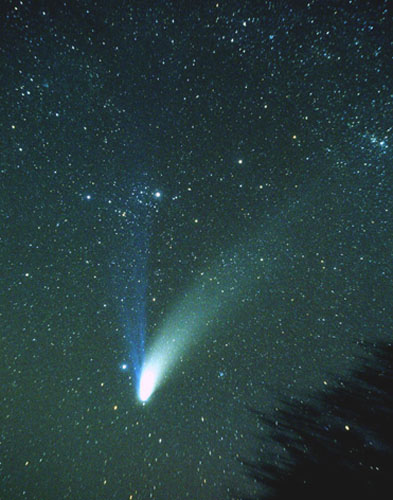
[340, 446]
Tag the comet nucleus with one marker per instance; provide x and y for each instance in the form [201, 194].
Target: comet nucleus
[147, 382]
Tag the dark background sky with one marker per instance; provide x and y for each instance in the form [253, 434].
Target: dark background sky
[267, 129]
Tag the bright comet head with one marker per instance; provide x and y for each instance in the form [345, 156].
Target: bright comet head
[147, 382]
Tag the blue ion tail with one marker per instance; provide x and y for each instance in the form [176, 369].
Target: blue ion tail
[138, 351]
[145, 379]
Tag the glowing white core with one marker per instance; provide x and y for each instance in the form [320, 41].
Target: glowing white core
[147, 383]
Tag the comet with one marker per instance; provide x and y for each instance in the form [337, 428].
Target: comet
[229, 282]
[163, 354]
[214, 295]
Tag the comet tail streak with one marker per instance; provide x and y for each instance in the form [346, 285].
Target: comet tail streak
[213, 295]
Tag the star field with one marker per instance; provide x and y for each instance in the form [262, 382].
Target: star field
[219, 164]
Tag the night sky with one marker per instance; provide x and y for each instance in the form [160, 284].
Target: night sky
[212, 176]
